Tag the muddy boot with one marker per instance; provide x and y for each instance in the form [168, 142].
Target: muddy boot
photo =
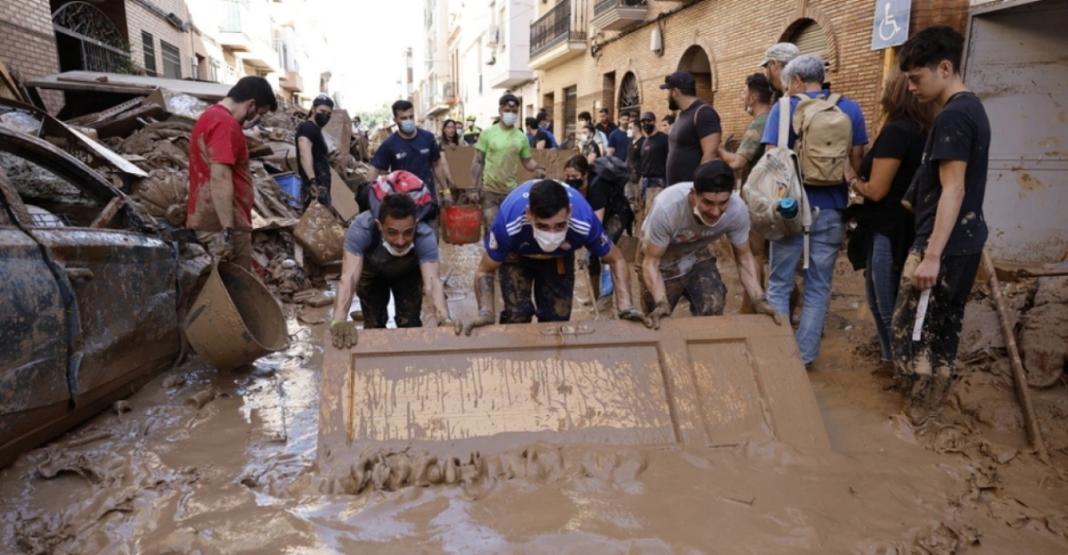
[927, 396]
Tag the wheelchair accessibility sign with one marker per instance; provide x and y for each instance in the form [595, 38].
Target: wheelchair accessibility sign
[891, 23]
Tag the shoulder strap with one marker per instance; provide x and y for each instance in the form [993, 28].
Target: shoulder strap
[784, 121]
[697, 111]
[834, 98]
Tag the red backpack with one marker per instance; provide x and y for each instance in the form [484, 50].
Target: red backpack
[403, 183]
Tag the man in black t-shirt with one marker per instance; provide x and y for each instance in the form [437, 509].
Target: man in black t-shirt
[536, 135]
[313, 160]
[947, 201]
[696, 134]
[604, 123]
[649, 159]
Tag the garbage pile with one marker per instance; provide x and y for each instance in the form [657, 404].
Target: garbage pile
[142, 147]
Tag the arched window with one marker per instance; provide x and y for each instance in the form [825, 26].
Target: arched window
[808, 36]
[629, 95]
[695, 60]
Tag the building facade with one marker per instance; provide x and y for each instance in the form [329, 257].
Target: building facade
[615, 53]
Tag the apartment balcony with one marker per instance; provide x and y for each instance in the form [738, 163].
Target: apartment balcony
[618, 15]
[233, 27]
[291, 81]
[557, 36]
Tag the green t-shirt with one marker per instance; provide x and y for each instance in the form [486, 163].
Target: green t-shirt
[501, 151]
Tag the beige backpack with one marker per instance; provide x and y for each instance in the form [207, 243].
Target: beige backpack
[824, 138]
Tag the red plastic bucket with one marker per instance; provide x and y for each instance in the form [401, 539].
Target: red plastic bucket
[462, 225]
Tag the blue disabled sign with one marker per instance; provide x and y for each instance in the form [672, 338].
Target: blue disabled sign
[891, 23]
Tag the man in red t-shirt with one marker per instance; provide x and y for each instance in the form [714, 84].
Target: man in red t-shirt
[220, 183]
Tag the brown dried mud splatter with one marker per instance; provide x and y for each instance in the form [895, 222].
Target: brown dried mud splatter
[236, 474]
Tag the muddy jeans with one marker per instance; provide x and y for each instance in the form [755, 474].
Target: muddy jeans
[552, 282]
[241, 253]
[824, 242]
[373, 291]
[926, 368]
[491, 204]
[701, 285]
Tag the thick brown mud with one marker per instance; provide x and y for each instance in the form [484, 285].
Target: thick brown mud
[203, 462]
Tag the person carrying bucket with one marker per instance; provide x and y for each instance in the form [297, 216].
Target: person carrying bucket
[390, 249]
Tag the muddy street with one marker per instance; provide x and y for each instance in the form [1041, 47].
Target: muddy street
[205, 462]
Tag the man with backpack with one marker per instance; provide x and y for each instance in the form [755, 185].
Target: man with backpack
[828, 134]
[695, 137]
[390, 249]
[950, 227]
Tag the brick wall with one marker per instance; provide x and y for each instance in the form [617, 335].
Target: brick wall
[734, 34]
[27, 42]
[139, 18]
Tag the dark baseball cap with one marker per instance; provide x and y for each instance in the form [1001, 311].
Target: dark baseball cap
[681, 80]
[648, 116]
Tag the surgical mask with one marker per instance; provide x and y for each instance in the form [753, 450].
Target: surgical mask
[630, 133]
[321, 119]
[398, 252]
[407, 126]
[701, 217]
[549, 241]
[649, 128]
[575, 183]
[509, 118]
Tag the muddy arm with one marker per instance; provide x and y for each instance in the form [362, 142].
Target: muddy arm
[651, 277]
[432, 288]
[487, 268]
[747, 271]
[476, 170]
[222, 194]
[351, 267]
[621, 276]
[442, 174]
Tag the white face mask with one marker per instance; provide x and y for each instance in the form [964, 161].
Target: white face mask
[393, 250]
[630, 133]
[549, 241]
[509, 118]
[701, 217]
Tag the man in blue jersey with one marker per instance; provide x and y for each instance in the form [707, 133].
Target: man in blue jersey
[532, 245]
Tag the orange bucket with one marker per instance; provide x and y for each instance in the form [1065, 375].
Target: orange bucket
[462, 225]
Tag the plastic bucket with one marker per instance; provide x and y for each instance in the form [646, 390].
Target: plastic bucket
[235, 319]
[462, 225]
[289, 182]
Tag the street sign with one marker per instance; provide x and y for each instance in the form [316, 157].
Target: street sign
[891, 23]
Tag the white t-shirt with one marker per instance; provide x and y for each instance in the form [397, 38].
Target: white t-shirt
[671, 224]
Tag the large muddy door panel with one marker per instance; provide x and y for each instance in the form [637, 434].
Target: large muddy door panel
[697, 381]
[33, 350]
[125, 286]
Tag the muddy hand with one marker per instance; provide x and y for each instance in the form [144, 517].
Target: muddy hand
[482, 320]
[343, 334]
[763, 307]
[661, 310]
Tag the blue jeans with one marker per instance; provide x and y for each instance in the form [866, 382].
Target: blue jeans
[881, 280]
[824, 240]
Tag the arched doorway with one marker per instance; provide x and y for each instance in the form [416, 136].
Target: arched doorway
[87, 39]
[696, 61]
[629, 95]
[809, 37]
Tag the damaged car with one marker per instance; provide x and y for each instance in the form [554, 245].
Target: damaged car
[90, 295]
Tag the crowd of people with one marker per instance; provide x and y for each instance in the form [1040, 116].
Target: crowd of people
[915, 196]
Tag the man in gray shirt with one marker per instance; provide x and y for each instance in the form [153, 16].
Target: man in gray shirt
[393, 253]
[677, 237]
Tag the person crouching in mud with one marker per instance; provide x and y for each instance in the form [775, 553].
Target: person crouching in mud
[532, 243]
[677, 236]
[391, 253]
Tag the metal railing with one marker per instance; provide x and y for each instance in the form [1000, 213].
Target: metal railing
[605, 5]
[554, 27]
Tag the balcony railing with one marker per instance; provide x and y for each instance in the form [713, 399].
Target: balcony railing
[603, 6]
[555, 27]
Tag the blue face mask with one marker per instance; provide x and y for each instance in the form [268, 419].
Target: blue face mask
[407, 126]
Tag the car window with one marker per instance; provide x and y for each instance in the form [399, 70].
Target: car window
[51, 199]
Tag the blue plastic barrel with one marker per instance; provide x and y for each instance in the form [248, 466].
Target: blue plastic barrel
[290, 184]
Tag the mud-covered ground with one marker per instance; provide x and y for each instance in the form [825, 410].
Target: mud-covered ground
[203, 462]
